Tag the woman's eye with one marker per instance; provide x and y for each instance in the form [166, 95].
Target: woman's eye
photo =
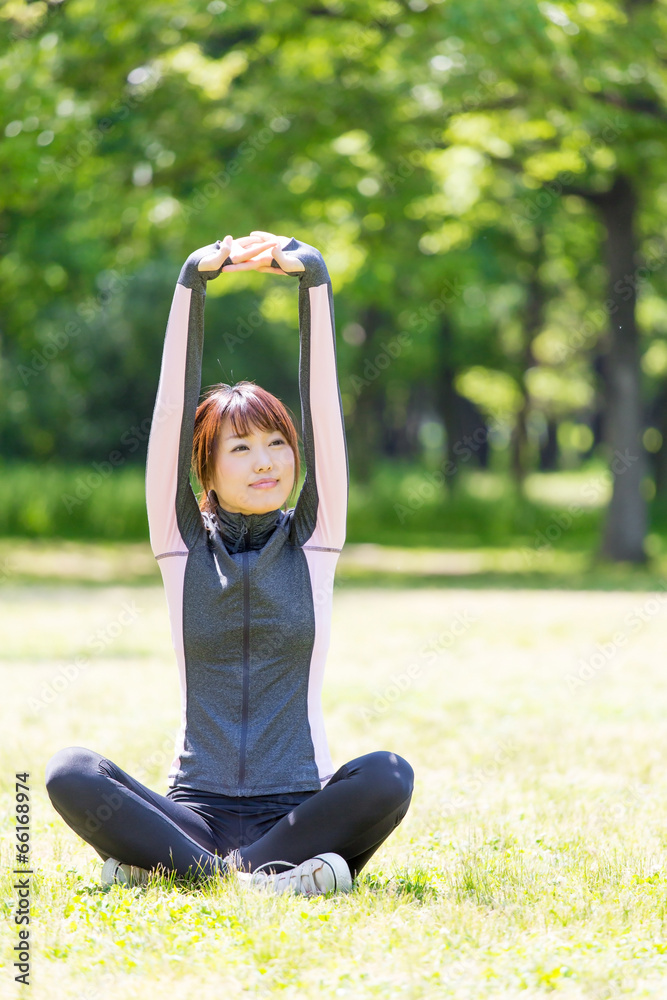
[276, 441]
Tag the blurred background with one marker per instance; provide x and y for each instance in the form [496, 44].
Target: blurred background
[488, 186]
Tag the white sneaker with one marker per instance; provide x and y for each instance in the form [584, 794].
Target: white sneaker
[115, 873]
[315, 877]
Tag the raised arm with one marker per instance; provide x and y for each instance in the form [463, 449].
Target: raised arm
[320, 514]
[173, 512]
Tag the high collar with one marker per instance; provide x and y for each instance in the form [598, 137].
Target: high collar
[241, 532]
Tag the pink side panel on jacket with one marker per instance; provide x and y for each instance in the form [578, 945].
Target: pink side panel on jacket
[329, 533]
[328, 431]
[162, 459]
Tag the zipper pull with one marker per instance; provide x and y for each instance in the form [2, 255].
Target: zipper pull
[244, 532]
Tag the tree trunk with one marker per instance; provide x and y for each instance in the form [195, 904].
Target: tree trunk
[549, 448]
[534, 320]
[467, 432]
[659, 421]
[626, 522]
[365, 442]
[519, 446]
[403, 407]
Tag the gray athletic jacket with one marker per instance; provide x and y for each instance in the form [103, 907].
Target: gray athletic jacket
[249, 596]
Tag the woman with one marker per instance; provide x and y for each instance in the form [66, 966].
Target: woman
[249, 587]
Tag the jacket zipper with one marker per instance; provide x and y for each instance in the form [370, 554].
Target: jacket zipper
[246, 668]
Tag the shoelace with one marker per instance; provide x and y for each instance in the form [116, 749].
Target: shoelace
[269, 863]
[306, 876]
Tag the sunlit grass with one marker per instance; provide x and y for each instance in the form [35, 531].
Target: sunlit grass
[532, 861]
[34, 561]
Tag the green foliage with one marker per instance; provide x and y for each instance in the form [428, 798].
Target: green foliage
[403, 505]
[80, 502]
[445, 157]
[42, 501]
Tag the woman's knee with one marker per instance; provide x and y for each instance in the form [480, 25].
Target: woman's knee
[68, 769]
[390, 776]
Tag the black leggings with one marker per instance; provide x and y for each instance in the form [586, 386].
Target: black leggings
[188, 831]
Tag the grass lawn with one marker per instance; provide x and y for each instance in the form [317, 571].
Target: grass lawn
[533, 859]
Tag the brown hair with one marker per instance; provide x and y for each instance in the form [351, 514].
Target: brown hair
[247, 405]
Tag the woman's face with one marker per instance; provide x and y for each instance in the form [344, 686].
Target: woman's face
[243, 462]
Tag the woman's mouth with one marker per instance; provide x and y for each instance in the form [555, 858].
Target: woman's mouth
[264, 484]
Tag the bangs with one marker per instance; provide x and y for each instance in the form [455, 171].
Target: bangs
[248, 411]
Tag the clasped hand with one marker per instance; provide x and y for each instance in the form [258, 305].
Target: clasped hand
[253, 253]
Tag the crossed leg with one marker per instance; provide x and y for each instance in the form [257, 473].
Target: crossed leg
[121, 818]
[352, 816]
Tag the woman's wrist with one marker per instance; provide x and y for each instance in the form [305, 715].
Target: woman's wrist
[315, 270]
[213, 257]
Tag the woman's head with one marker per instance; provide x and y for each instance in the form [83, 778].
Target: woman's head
[243, 434]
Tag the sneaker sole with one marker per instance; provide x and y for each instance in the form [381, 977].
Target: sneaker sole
[115, 873]
[340, 870]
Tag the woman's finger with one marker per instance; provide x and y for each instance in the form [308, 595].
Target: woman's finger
[248, 265]
[248, 240]
[252, 251]
[263, 265]
[237, 267]
[264, 236]
[281, 240]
